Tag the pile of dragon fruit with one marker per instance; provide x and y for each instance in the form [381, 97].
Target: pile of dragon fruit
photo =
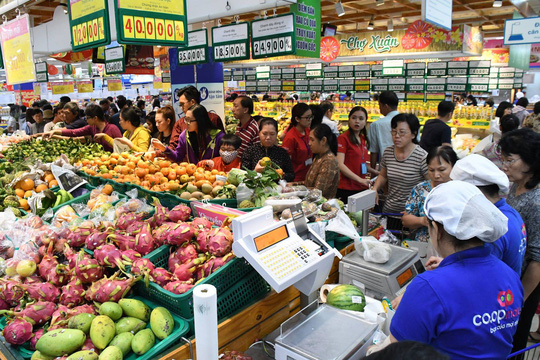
[57, 279]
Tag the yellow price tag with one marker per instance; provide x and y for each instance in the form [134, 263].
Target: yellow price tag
[101, 28]
[128, 27]
[160, 29]
[169, 27]
[150, 28]
[75, 37]
[90, 32]
[139, 27]
[179, 30]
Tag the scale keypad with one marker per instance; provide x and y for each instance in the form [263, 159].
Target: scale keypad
[283, 261]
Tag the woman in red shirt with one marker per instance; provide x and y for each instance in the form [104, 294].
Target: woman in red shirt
[296, 140]
[353, 155]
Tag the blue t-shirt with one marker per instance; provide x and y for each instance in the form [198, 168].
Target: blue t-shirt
[468, 307]
[510, 248]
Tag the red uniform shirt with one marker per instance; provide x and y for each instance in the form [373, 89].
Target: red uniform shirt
[219, 165]
[297, 145]
[355, 156]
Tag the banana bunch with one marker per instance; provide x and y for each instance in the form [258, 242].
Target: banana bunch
[62, 196]
[47, 199]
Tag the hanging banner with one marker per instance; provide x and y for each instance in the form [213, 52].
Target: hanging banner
[416, 69]
[522, 31]
[85, 86]
[456, 84]
[65, 87]
[197, 50]
[114, 84]
[392, 67]
[437, 69]
[231, 42]
[42, 74]
[89, 24]
[274, 36]
[301, 85]
[479, 67]
[151, 22]
[307, 15]
[115, 61]
[17, 51]
[313, 71]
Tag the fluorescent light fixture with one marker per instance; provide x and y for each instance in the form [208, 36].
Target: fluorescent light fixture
[379, 2]
[497, 3]
[339, 9]
[370, 24]
[390, 25]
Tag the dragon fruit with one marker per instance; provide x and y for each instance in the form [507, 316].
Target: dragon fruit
[129, 256]
[202, 240]
[219, 241]
[110, 289]
[36, 314]
[125, 220]
[71, 256]
[59, 275]
[18, 331]
[178, 213]
[135, 228]
[97, 238]
[48, 263]
[109, 255]
[3, 305]
[179, 287]
[180, 234]
[201, 223]
[78, 235]
[160, 214]
[143, 267]
[62, 315]
[212, 265]
[32, 279]
[184, 272]
[42, 291]
[144, 242]
[37, 335]
[72, 294]
[160, 234]
[11, 292]
[183, 254]
[161, 276]
[87, 269]
[123, 241]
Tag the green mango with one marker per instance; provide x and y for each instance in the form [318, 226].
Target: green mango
[129, 324]
[84, 355]
[161, 322]
[143, 341]
[81, 322]
[102, 331]
[111, 309]
[135, 308]
[123, 341]
[111, 353]
[39, 356]
[61, 342]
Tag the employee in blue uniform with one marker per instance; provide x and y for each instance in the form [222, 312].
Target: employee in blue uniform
[469, 306]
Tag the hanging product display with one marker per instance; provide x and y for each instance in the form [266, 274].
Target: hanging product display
[231, 42]
[17, 50]
[197, 50]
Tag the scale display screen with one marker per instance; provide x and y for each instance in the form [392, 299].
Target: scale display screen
[271, 238]
[404, 277]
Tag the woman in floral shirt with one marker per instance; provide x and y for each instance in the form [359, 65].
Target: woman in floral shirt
[440, 161]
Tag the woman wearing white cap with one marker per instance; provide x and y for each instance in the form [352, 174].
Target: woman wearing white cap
[469, 306]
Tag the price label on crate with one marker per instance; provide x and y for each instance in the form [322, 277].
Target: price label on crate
[437, 68]
[197, 50]
[415, 85]
[151, 22]
[435, 85]
[230, 42]
[89, 24]
[458, 68]
[115, 62]
[479, 67]
[41, 72]
[416, 69]
[274, 36]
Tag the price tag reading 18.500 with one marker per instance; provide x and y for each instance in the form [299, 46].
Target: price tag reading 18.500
[89, 24]
[231, 42]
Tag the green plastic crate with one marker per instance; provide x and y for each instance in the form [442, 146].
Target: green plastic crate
[118, 187]
[236, 273]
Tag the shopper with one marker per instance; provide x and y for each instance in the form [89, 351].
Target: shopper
[436, 131]
[38, 126]
[492, 152]
[533, 120]
[165, 121]
[105, 105]
[59, 118]
[96, 130]
[71, 116]
[504, 108]
[379, 132]
[151, 124]
[471, 100]
[403, 165]
[327, 109]
[520, 110]
[136, 136]
[462, 308]
[324, 172]
[352, 156]
[228, 154]
[247, 128]
[440, 161]
[268, 148]
[13, 119]
[521, 163]
[121, 103]
[141, 104]
[156, 104]
[296, 140]
[317, 115]
[200, 141]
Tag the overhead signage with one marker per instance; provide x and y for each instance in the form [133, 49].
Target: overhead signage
[376, 71]
[301, 85]
[288, 85]
[238, 75]
[313, 70]
[434, 85]
[493, 83]
[157, 83]
[251, 75]
[379, 84]
[359, 96]
[415, 96]
[397, 84]
[251, 86]
[392, 67]
[307, 17]
[42, 74]
[263, 85]
[263, 72]
[151, 22]
[494, 72]
[89, 24]
[361, 84]
[330, 85]
[17, 51]
[478, 84]
[346, 71]
[287, 73]
[479, 67]
[346, 85]
[331, 72]
[63, 87]
[415, 85]
[457, 68]
[275, 74]
[115, 62]
[86, 86]
[416, 69]
[114, 84]
[437, 68]
[275, 85]
[507, 72]
[300, 73]
[522, 31]
[315, 85]
[506, 84]
[438, 12]
[227, 76]
[519, 73]
[362, 71]
[231, 42]
[274, 36]
[197, 50]
[518, 83]
[458, 84]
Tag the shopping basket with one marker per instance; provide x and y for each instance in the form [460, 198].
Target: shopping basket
[529, 353]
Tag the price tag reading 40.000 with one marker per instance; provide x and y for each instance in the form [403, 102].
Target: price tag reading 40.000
[89, 24]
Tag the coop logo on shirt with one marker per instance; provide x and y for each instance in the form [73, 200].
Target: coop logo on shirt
[500, 318]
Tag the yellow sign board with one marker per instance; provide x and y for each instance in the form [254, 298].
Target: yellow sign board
[158, 84]
[17, 51]
[174, 7]
[114, 84]
[62, 88]
[85, 86]
[80, 8]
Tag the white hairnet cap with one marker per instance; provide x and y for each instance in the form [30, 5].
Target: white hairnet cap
[465, 212]
[519, 95]
[480, 171]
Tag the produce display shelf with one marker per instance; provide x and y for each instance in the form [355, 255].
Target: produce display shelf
[77, 200]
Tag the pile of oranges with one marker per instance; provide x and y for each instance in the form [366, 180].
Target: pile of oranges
[26, 187]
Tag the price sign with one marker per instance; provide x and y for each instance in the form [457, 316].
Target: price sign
[301, 85]
[330, 85]
[114, 84]
[331, 72]
[361, 96]
[251, 86]
[458, 68]
[287, 74]
[376, 71]
[238, 75]
[85, 87]
[435, 85]
[506, 84]
[415, 96]
[275, 74]
[507, 72]
[518, 83]
[166, 77]
[392, 68]
[346, 85]
[478, 84]
[494, 72]
[275, 85]
[314, 70]
[437, 69]
[361, 71]
[62, 88]
[231, 42]
[315, 85]
[397, 84]
[41, 72]
[151, 22]
[493, 84]
[361, 84]
[346, 71]
[379, 84]
[273, 36]
[17, 50]
[300, 73]
[288, 85]
[115, 62]
[197, 50]
[89, 24]
[262, 85]
[416, 69]
[519, 74]
[251, 75]
[227, 76]
[479, 67]
[456, 84]
[415, 85]
[263, 72]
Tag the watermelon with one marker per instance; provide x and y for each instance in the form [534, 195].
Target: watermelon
[346, 297]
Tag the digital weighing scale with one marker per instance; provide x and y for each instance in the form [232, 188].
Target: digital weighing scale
[327, 333]
[284, 253]
[389, 279]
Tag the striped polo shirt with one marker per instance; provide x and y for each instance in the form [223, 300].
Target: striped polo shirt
[249, 133]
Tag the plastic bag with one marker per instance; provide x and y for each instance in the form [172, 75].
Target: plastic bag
[243, 193]
[389, 238]
[343, 225]
[373, 250]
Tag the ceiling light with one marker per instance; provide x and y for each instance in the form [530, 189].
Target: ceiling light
[390, 25]
[339, 9]
[379, 2]
[497, 3]
[370, 24]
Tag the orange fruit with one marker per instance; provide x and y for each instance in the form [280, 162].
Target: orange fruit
[199, 176]
[141, 172]
[181, 170]
[27, 184]
[172, 175]
[280, 172]
[164, 164]
[48, 178]
[184, 164]
[53, 183]
[41, 187]
[23, 204]
[107, 189]
[19, 192]
[27, 193]
[184, 178]
[165, 171]
[191, 168]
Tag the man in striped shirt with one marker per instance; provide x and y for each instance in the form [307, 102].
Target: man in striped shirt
[247, 128]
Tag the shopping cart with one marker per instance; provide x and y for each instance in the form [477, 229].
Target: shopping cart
[529, 353]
